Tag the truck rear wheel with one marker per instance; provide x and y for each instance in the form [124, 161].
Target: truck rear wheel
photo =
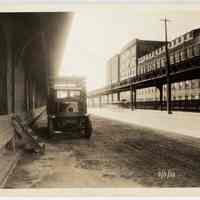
[88, 128]
[50, 128]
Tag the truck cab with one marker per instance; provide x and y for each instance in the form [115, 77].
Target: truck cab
[67, 107]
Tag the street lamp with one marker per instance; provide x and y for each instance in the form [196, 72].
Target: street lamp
[168, 69]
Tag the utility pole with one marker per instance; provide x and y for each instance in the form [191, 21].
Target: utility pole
[131, 87]
[169, 110]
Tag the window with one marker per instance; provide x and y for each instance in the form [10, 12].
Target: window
[62, 94]
[186, 53]
[158, 63]
[152, 65]
[187, 84]
[155, 64]
[190, 52]
[171, 59]
[149, 68]
[193, 84]
[185, 37]
[174, 42]
[179, 39]
[163, 62]
[182, 55]
[196, 50]
[180, 85]
[177, 57]
[74, 93]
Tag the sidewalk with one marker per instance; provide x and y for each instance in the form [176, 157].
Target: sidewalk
[186, 123]
[8, 163]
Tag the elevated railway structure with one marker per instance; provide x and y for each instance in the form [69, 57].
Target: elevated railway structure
[151, 70]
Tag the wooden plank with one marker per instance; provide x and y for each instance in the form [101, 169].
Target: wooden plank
[26, 135]
[6, 130]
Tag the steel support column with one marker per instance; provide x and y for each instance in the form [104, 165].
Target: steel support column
[100, 102]
[107, 96]
[118, 96]
[112, 98]
[93, 103]
[161, 95]
[132, 97]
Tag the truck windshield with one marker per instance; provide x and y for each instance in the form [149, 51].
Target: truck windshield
[60, 94]
[74, 93]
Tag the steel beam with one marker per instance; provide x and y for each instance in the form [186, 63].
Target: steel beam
[100, 101]
[160, 87]
[118, 96]
[132, 97]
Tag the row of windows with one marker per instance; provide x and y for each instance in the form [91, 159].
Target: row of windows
[171, 45]
[180, 39]
[179, 91]
[175, 57]
[175, 96]
[178, 97]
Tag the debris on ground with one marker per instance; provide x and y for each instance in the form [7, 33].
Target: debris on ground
[25, 135]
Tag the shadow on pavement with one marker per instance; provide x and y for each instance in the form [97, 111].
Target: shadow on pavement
[42, 133]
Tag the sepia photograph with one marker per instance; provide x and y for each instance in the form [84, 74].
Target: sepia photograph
[100, 96]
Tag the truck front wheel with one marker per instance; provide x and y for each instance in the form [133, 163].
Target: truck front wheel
[88, 128]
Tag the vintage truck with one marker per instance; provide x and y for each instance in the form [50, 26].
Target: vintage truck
[67, 107]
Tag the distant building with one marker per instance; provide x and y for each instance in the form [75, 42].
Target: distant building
[131, 52]
[112, 70]
[144, 57]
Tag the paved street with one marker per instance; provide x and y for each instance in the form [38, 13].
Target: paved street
[118, 154]
[184, 123]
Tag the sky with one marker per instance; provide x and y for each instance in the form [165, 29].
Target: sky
[100, 31]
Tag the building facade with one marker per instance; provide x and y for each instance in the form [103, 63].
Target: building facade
[142, 60]
[131, 52]
[112, 71]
